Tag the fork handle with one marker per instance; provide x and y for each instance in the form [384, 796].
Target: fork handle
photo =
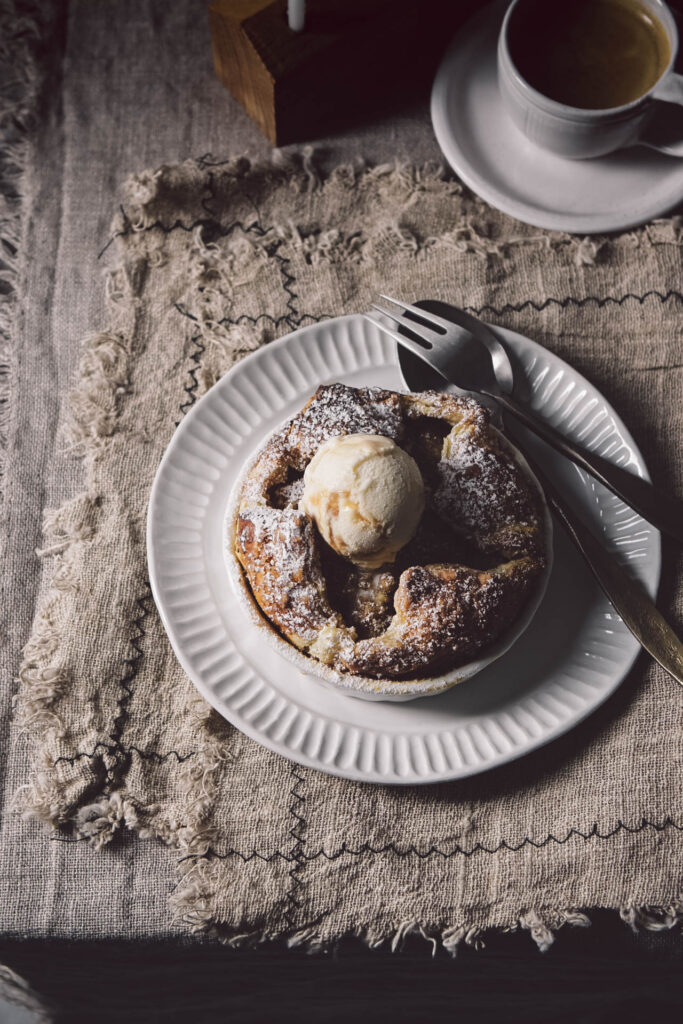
[663, 511]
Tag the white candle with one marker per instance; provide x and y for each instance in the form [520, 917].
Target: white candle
[296, 14]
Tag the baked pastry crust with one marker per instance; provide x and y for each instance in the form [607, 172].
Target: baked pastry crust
[455, 589]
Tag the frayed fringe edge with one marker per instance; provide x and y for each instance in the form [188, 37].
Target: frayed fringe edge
[103, 379]
[94, 405]
[20, 28]
[194, 905]
[149, 193]
[542, 926]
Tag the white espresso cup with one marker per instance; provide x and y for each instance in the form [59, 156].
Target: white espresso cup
[579, 133]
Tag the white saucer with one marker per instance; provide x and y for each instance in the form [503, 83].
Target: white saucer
[485, 149]
[570, 659]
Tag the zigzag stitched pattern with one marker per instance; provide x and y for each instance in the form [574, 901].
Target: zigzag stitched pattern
[146, 755]
[221, 232]
[297, 856]
[286, 318]
[131, 668]
[132, 665]
[593, 833]
[191, 388]
[412, 851]
[600, 302]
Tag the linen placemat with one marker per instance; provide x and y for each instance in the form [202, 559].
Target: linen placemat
[215, 259]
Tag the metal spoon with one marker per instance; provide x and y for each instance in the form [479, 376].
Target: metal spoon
[626, 595]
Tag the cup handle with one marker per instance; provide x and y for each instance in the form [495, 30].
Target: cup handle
[664, 127]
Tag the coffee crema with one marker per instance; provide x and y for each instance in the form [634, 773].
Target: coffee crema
[592, 54]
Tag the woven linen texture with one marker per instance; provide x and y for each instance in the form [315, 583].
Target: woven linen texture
[212, 261]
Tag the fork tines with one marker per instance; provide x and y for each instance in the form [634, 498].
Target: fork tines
[403, 339]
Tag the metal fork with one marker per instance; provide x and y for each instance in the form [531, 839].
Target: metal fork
[463, 360]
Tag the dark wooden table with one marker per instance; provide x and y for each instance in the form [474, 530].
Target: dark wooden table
[590, 976]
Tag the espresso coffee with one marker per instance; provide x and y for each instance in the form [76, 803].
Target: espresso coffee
[592, 54]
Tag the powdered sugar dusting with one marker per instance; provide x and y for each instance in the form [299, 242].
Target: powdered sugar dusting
[483, 490]
[444, 612]
[278, 550]
[338, 409]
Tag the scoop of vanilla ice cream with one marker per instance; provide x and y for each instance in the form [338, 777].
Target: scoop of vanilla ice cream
[365, 495]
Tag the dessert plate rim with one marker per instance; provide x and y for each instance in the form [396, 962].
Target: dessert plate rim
[423, 741]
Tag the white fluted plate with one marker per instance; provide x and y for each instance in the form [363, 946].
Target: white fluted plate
[571, 658]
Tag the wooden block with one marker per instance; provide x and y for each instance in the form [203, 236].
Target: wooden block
[350, 57]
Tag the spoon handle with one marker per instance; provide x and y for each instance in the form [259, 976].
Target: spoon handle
[627, 596]
[660, 509]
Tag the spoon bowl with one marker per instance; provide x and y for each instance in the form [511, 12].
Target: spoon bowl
[420, 376]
